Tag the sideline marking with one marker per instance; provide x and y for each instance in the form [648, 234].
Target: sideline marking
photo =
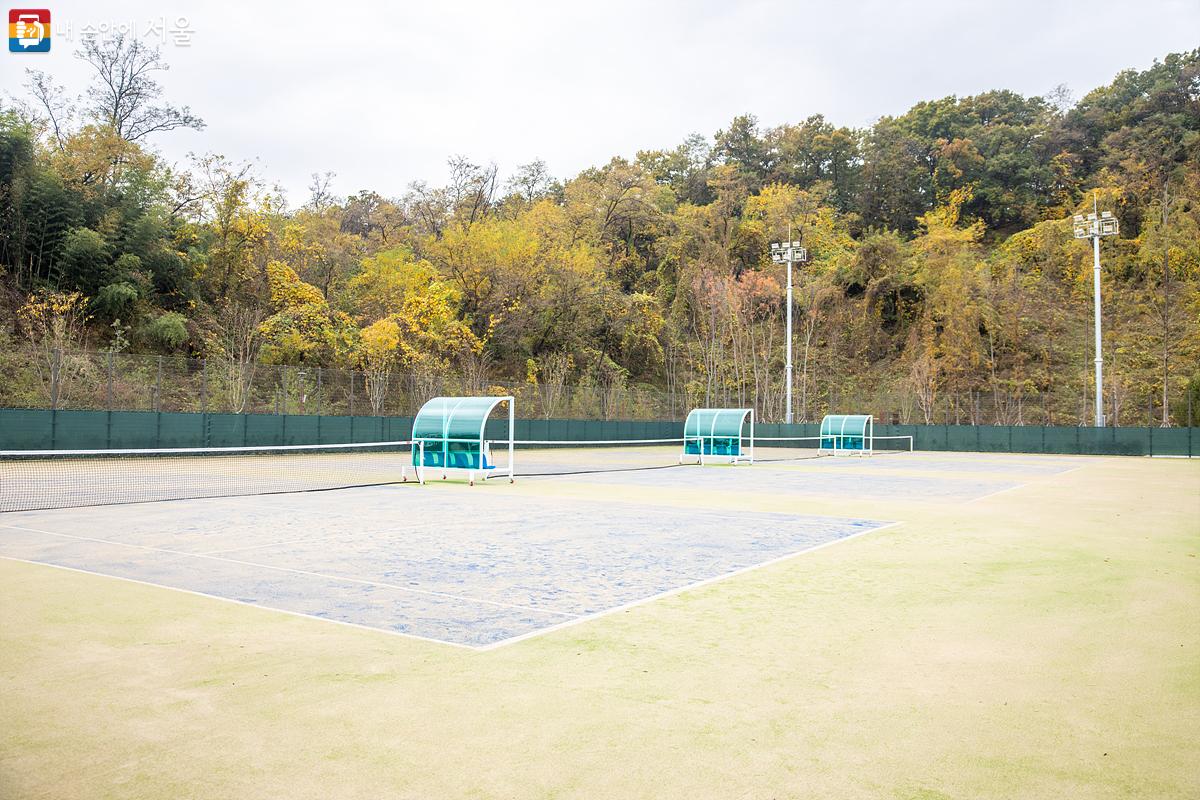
[478, 648]
[680, 589]
[242, 603]
[1021, 485]
[306, 573]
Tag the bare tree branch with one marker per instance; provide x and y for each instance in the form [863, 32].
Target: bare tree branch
[126, 92]
[59, 110]
[320, 195]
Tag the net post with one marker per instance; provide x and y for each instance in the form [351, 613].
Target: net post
[512, 416]
[683, 450]
[752, 436]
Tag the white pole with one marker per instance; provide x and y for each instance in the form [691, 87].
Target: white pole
[788, 416]
[752, 436]
[1099, 356]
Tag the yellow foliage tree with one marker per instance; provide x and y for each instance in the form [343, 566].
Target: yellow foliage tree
[948, 269]
[55, 323]
[386, 279]
[377, 352]
[303, 327]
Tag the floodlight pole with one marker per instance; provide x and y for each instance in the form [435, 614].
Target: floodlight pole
[788, 252]
[1099, 341]
[1096, 225]
[788, 417]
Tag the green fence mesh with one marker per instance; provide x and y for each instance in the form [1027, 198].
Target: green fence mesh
[36, 429]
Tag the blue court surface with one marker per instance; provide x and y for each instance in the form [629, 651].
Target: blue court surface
[471, 567]
[825, 477]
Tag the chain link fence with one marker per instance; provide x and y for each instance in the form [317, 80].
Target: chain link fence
[99, 380]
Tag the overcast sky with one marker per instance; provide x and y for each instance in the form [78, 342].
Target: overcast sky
[383, 93]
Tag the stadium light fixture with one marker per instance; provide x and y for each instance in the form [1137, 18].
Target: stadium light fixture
[789, 253]
[1095, 226]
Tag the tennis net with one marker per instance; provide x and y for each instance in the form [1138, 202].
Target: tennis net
[787, 448]
[799, 447]
[891, 444]
[555, 457]
[34, 480]
[575, 457]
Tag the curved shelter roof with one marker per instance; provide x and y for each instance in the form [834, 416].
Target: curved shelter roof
[846, 424]
[455, 419]
[715, 422]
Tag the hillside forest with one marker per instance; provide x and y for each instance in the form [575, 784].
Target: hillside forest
[943, 281]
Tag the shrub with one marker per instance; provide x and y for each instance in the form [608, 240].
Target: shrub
[168, 331]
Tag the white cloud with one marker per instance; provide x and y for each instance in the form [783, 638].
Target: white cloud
[383, 93]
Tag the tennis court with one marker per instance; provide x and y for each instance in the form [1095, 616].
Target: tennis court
[874, 626]
[821, 479]
[291, 529]
[475, 568]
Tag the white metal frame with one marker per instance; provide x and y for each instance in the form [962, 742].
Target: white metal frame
[485, 450]
[1095, 227]
[420, 468]
[868, 436]
[741, 457]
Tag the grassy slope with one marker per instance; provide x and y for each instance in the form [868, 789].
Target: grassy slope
[1041, 643]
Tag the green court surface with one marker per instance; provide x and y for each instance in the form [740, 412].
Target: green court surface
[1030, 628]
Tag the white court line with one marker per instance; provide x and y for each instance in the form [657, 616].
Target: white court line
[478, 648]
[390, 532]
[242, 603]
[240, 500]
[1018, 486]
[993, 494]
[679, 589]
[259, 546]
[233, 501]
[307, 573]
[521, 502]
